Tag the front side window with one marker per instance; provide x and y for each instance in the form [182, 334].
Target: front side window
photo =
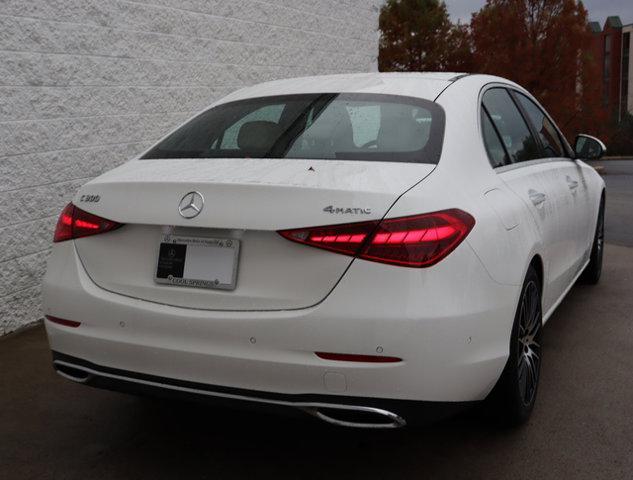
[550, 138]
[515, 133]
[348, 126]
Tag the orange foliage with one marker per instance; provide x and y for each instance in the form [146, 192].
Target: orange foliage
[417, 35]
[543, 45]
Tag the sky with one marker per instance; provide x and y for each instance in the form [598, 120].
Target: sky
[599, 10]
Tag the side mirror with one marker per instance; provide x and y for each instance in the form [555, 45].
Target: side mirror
[589, 148]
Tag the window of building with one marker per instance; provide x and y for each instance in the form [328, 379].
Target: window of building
[606, 70]
[626, 47]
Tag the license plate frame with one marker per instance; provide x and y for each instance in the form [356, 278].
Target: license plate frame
[202, 253]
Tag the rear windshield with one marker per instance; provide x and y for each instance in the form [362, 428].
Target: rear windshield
[343, 126]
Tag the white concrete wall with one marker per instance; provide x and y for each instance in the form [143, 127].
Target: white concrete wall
[87, 84]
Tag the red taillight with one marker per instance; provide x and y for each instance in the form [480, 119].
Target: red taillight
[344, 239]
[414, 241]
[75, 223]
[62, 321]
[350, 357]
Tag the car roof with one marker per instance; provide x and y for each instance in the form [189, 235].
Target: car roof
[426, 85]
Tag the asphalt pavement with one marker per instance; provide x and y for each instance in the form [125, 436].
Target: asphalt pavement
[618, 176]
[581, 428]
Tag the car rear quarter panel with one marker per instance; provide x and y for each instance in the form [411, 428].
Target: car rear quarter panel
[462, 179]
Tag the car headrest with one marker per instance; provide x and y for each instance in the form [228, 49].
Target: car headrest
[400, 135]
[331, 132]
[258, 136]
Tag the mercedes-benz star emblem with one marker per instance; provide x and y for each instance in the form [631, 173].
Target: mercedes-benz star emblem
[191, 205]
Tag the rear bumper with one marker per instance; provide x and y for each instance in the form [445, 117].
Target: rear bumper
[453, 341]
[335, 409]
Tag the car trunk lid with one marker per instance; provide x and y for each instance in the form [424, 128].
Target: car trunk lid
[247, 200]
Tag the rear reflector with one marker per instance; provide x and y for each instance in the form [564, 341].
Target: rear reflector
[61, 321]
[348, 357]
[413, 241]
[75, 223]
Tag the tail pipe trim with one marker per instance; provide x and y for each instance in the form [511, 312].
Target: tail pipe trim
[336, 414]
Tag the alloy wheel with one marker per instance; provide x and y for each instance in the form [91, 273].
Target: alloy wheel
[529, 342]
[600, 236]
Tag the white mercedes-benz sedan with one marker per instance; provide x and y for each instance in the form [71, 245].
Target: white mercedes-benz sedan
[372, 249]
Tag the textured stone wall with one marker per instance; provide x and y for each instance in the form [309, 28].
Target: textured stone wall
[87, 84]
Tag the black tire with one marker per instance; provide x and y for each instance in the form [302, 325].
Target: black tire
[592, 272]
[512, 399]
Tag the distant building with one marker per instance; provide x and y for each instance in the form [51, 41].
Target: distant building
[612, 47]
[627, 69]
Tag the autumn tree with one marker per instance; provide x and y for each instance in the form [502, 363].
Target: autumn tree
[460, 55]
[621, 141]
[418, 35]
[545, 46]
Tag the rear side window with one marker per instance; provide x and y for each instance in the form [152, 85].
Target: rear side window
[350, 126]
[494, 147]
[552, 145]
[515, 133]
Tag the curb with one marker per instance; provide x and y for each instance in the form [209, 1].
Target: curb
[22, 328]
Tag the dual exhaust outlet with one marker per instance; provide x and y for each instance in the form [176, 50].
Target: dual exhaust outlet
[354, 416]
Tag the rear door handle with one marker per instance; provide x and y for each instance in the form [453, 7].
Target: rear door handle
[537, 198]
[573, 184]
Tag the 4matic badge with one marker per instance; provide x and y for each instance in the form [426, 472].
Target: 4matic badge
[347, 210]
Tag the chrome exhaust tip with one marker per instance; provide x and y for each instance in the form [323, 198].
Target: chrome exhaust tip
[356, 416]
[70, 372]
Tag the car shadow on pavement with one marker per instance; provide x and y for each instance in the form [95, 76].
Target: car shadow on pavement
[244, 444]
